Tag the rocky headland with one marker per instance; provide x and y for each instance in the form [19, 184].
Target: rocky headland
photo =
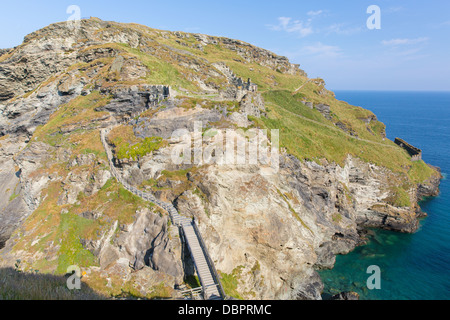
[267, 232]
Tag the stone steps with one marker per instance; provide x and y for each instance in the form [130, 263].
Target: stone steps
[204, 270]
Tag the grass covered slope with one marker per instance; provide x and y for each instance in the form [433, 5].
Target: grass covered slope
[109, 56]
[192, 65]
[305, 133]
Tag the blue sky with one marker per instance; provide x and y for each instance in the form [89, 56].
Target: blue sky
[329, 39]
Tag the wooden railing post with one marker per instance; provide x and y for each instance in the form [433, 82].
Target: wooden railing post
[171, 210]
[209, 260]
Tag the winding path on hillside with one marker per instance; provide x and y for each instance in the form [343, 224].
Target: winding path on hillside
[189, 233]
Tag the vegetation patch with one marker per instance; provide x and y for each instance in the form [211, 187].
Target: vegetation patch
[71, 251]
[128, 146]
[337, 218]
[230, 283]
[78, 113]
[163, 70]
[293, 211]
[310, 136]
[13, 196]
[192, 282]
[399, 197]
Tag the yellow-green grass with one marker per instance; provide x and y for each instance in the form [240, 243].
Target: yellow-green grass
[351, 116]
[128, 146]
[162, 71]
[192, 102]
[79, 112]
[265, 77]
[87, 142]
[309, 137]
[52, 224]
[230, 283]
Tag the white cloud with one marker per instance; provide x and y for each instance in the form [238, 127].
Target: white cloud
[323, 50]
[315, 13]
[289, 25]
[342, 29]
[399, 42]
[408, 49]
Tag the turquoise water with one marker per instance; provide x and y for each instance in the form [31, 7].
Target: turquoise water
[417, 266]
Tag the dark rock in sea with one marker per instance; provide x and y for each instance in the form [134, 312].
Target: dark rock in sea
[326, 255]
[346, 296]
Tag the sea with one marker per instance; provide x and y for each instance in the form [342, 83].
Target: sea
[411, 266]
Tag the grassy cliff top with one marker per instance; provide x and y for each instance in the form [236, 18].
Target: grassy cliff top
[200, 66]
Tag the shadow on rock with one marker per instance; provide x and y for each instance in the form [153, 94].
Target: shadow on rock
[15, 285]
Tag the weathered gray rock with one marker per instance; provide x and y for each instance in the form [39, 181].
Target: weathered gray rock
[18, 195]
[135, 99]
[326, 254]
[324, 110]
[308, 288]
[269, 229]
[239, 119]
[165, 123]
[117, 65]
[23, 116]
[4, 51]
[431, 187]
[49, 51]
[147, 242]
[252, 104]
[346, 296]
[309, 105]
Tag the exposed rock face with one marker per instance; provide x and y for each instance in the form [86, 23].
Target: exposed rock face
[24, 116]
[134, 100]
[324, 109]
[49, 51]
[171, 119]
[252, 104]
[431, 187]
[346, 296]
[270, 230]
[306, 212]
[18, 194]
[4, 51]
[146, 242]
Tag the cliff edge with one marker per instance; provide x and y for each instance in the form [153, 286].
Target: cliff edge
[267, 229]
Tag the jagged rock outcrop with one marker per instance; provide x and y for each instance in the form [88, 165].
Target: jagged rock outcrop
[346, 296]
[134, 100]
[252, 104]
[173, 118]
[268, 230]
[146, 242]
[307, 212]
[324, 110]
[431, 187]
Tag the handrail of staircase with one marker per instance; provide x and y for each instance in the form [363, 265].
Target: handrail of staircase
[193, 260]
[209, 260]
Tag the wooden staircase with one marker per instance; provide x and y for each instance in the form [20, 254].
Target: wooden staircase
[190, 234]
